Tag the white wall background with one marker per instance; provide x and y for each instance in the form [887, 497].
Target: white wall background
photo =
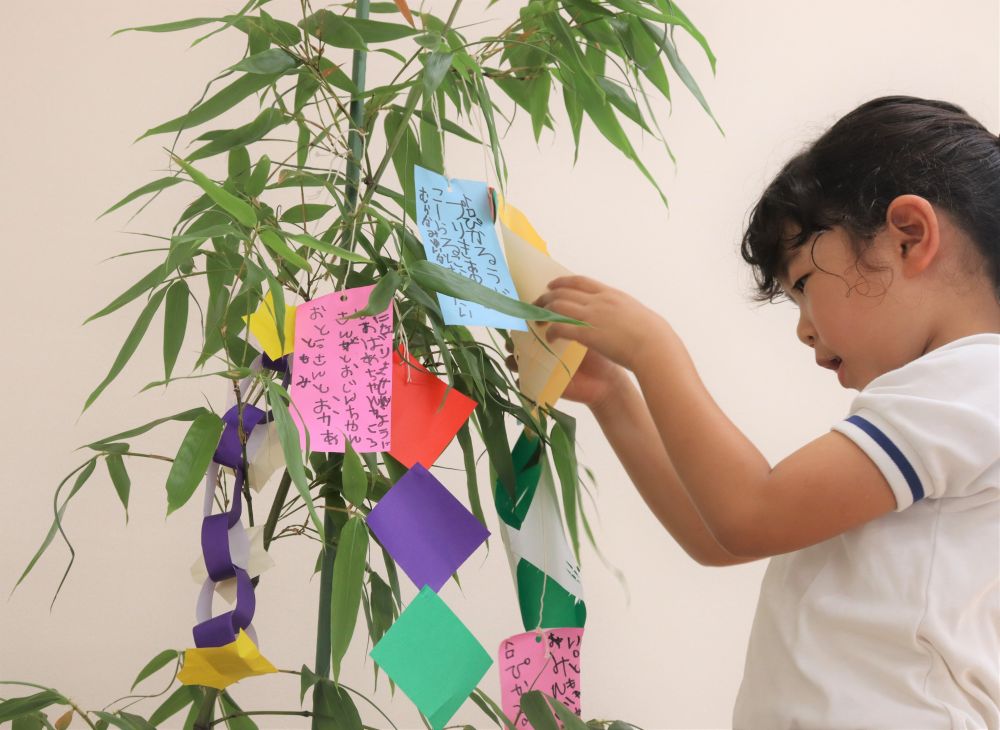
[667, 654]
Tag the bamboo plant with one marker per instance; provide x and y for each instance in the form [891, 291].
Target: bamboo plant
[235, 243]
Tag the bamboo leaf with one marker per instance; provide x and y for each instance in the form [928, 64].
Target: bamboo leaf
[83, 473]
[277, 306]
[193, 457]
[233, 711]
[175, 318]
[172, 26]
[162, 184]
[538, 102]
[563, 440]
[258, 178]
[334, 30]
[305, 213]
[130, 344]
[119, 478]
[274, 241]
[568, 719]
[20, 706]
[536, 709]
[289, 436]
[181, 698]
[154, 665]
[307, 678]
[335, 710]
[666, 44]
[271, 61]
[381, 295]
[348, 576]
[676, 15]
[227, 139]
[153, 278]
[221, 102]
[378, 31]
[436, 65]
[238, 162]
[445, 281]
[620, 99]
[324, 247]
[472, 484]
[237, 208]
[104, 443]
[355, 481]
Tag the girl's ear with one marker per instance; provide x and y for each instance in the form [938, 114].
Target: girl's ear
[914, 232]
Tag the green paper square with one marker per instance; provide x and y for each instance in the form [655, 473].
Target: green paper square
[433, 657]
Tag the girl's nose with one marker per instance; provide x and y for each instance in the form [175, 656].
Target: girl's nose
[805, 331]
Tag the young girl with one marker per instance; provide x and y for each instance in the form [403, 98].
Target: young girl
[882, 607]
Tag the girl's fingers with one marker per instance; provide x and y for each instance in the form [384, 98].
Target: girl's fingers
[564, 332]
[568, 307]
[553, 297]
[582, 283]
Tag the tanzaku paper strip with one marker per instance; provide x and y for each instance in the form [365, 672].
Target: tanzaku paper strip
[457, 231]
[264, 327]
[544, 368]
[342, 373]
[546, 660]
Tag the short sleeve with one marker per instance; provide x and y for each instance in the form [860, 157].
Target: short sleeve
[933, 426]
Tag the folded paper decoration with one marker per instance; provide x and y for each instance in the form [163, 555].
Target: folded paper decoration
[264, 454]
[543, 567]
[548, 661]
[457, 231]
[544, 368]
[263, 325]
[221, 666]
[342, 373]
[433, 657]
[426, 530]
[424, 421]
[246, 545]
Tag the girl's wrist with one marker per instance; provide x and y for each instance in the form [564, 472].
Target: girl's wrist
[612, 393]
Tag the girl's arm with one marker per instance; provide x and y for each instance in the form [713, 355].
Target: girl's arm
[825, 488]
[629, 428]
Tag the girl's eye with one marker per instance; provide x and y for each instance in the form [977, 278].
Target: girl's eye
[800, 284]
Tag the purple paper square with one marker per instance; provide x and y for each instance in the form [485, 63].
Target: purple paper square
[427, 531]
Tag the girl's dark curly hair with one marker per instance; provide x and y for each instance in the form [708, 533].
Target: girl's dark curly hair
[887, 147]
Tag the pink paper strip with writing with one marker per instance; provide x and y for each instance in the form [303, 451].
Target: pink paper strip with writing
[341, 383]
[549, 662]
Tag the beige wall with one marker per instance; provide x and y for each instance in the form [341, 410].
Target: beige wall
[671, 655]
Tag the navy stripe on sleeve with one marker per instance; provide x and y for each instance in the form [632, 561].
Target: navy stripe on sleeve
[912, 480]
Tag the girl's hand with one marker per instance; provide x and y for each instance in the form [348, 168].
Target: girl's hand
[621, 327]
[593, 381]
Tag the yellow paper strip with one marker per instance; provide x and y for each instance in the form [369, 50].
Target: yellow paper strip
[543, 375]
[264, 327]
[518, 222]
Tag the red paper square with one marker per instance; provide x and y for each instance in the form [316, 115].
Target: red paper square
[420, 431]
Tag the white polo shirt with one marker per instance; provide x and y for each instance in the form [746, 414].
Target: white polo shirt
[894, 625]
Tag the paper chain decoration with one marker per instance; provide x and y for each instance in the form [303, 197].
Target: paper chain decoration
[226, 645]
